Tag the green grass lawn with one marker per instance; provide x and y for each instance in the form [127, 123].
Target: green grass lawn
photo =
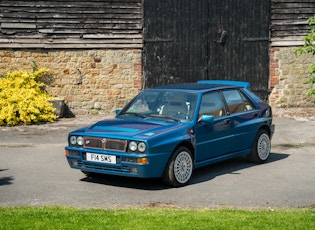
[155, 218]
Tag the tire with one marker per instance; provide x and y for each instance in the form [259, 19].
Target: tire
[261, 148]
[179, 169]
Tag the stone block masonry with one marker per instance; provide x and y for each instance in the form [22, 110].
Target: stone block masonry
[90, 81]
[100, 81]
[288, 76]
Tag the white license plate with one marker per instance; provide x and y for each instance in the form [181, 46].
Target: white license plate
[101, 158]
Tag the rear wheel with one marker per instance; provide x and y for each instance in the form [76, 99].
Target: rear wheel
[179, 169]
[261, 148]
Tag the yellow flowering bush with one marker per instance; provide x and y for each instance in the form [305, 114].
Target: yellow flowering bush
[23, 98]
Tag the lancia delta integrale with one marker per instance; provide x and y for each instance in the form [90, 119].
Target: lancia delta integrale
[171, 130]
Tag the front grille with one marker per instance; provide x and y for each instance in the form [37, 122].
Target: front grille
[105, 167]
[114, 144]
[93, 143]
[103, 143]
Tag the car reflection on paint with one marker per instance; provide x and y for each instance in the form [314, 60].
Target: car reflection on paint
[171, 130]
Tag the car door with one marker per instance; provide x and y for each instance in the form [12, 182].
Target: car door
[213, 138]
[242, 113]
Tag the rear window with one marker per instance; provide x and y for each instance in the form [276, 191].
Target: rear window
[237, 102]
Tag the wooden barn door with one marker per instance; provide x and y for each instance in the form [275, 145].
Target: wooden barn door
[186, 41]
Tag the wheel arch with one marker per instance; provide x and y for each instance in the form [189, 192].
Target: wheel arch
[265, 127]
[259, 155]
[188, 145]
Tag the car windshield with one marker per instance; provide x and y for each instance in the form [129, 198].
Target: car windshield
[162, 104]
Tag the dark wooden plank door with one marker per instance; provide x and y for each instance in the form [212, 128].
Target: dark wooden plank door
[185, 41]
[174, 41]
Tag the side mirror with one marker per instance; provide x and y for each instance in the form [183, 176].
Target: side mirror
[206, 119]
[117, 111]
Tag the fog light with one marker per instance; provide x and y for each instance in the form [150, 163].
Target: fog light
[142, 160]
[74, 162]
[130, 159]
[133, 170]
[74, 153]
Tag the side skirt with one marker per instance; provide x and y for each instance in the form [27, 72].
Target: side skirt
[222, 158]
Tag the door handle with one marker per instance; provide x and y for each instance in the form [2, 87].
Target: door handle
[255, 115]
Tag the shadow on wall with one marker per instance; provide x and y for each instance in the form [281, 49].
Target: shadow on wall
[61, 108]
[67, 113]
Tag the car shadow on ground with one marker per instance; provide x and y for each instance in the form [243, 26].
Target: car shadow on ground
[231, 166]
[199, 175]
[5, 180]
[127, 182]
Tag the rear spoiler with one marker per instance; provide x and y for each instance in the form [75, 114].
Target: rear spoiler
[224, 82]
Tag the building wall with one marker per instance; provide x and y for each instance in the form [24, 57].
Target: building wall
[288, 71]
[288, 76]
[65, 24]
[90, 81]
[92, 48]
[94, 53]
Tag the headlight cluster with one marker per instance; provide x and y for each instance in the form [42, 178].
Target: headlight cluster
[108, 144]
[76, 140]
[137, 147]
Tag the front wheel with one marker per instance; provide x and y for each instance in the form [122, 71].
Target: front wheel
[261, 148]
[179, 169]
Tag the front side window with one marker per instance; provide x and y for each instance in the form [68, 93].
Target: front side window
[236, 101]
[211, 104]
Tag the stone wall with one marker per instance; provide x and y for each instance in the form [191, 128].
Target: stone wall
[100, 81]
[288, 76]
[90, 81]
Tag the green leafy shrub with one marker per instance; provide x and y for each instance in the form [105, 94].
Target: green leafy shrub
[309, 47]
[23, 98]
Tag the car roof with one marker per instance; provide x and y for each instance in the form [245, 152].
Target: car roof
[197, 86]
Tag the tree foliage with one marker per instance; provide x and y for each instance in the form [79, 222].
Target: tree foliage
[309, 48]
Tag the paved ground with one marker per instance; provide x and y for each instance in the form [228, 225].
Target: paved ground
[33, 171]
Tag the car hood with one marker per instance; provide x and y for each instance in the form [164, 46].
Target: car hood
[129, 128]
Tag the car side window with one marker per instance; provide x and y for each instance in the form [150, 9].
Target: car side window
[236, 101]
[211, 104]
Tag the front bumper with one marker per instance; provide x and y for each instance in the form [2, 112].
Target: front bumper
[154, 167]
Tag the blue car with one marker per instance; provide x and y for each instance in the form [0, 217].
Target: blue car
[171, 130]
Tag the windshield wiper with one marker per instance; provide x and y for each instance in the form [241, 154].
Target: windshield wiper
[134, 114]
[164, 117]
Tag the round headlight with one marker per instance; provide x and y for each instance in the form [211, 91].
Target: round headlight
[80, 140]
[141, 147]
[73, 140]
[133, 146]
